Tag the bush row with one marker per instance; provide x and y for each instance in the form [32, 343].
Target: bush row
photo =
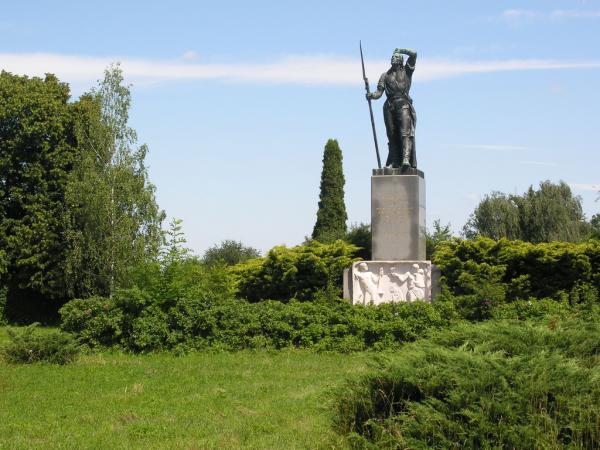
[491, 385]
[326, 323]
[514, 270]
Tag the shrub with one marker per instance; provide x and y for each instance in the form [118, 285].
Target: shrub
[298, 272]
[326, 323]
[492, 385]
[28, 345]
[96, 321]
[523, 270]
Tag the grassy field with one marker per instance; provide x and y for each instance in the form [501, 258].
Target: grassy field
[203, 400]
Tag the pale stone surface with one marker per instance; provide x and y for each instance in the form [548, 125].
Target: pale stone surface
[398, 217]
[388, 281]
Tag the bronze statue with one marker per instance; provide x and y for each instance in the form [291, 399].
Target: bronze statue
[398, 111]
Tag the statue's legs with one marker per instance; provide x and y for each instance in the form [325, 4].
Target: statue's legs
[407, 130]
[392, 128]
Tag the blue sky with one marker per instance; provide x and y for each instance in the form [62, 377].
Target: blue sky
[237, 99]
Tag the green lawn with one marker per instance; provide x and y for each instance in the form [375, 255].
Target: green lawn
[202, 400]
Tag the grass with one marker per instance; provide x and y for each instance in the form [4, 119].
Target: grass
[201, 400]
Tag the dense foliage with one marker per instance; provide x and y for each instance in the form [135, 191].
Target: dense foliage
[359, 235]
[331, 215]
[297, 272]
[509, 270]
[492, 385]
[76, 208]
[134, 321]
[230, 253]
[550, 213]
[29, 345]
[115, 222]
[37, 149]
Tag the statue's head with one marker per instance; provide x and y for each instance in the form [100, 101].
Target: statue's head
[397, 58]
[363, 267]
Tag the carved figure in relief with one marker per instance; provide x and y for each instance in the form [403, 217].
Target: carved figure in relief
[415, 280]
[381, 282]
[367, 282]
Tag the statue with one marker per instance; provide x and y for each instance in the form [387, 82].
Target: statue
[398, 111]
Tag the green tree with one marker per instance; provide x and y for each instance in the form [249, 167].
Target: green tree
[359, 235]
[331, 216]
[441, 233]
[550, 213]
[36, 154]
[230, 253]
[175, 250]
[496, 216]
[115, 222]
[595, 227]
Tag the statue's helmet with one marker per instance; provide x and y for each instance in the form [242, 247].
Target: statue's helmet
[397, 57]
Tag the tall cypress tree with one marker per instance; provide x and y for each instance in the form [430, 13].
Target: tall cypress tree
[331, 216]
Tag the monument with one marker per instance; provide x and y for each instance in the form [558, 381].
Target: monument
[398, 270]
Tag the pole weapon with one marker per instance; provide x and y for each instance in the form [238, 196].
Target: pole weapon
[370, 107]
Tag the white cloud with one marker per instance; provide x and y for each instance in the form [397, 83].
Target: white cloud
[317, 69]
[585, 186]
[190, 55]
[522, 15]
[512, 15]
[574, 14]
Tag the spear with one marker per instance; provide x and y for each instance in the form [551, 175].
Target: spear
[370, 107]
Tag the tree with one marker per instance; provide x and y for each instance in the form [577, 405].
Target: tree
[37, 148]
[230, 253]
[440, 234]
[115, 222]
[359, 235]
[331, 216]
[496, 216]
[595, 227]
[550, 213]
[175, 250]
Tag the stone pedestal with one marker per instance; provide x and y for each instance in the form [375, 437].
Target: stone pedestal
[398, 271]
[398, 216]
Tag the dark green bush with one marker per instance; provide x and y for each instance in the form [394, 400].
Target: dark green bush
[326, 323]
[298, 272]
[29, 345]
[492, 385]
[517, 270]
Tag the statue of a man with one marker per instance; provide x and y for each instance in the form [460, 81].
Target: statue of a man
[398, 112]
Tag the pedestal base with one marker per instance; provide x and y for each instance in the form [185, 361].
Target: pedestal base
[398, 217]
[376, 282]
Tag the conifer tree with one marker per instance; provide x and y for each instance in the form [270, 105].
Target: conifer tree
[331, 216]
